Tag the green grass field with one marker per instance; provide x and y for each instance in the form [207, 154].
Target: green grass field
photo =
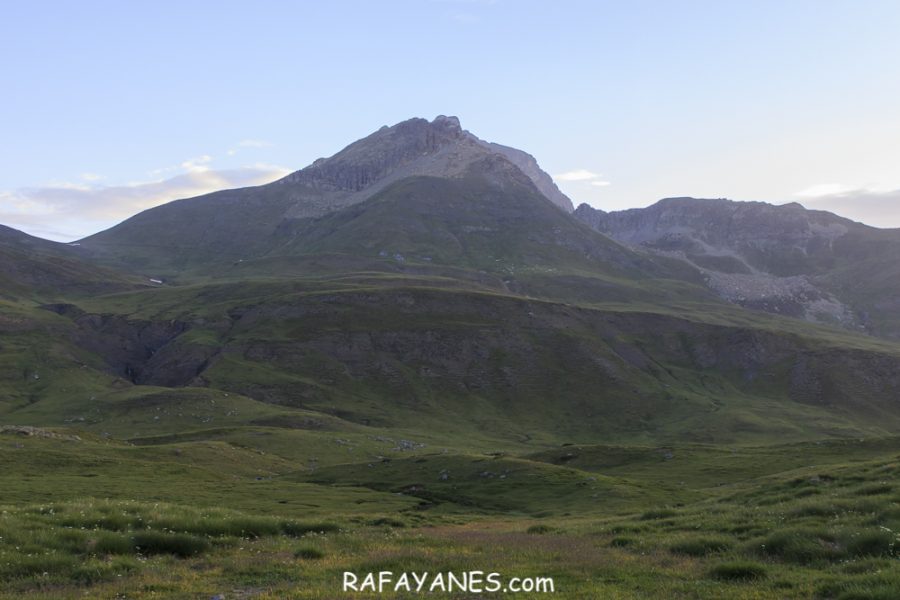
[795, 521]
[258, 438]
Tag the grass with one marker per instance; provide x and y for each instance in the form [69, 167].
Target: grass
[94, 541]
[301, 427]
[309, 553]
[701, 546]
[303, 321]
[517, 394]
[763, 537]
[738, 571]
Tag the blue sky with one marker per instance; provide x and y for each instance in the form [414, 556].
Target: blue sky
[111, 107]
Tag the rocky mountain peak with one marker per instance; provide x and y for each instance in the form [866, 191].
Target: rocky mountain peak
[367, 160]
[717, 221]
[450, 124]
[440, 148]
[777, 258]
[248, 221]
[528, 165]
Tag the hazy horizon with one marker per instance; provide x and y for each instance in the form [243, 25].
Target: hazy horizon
[117, 108]
[260, 178]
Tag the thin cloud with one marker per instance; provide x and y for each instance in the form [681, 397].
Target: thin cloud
[875, 206]
[577, 175]
[198, 164]
[824, 189]
[249, 143]
[78, 210]
[581, 177]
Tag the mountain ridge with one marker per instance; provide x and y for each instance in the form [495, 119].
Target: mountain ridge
[785, 259]
[34, 267]
[443, 281]
[229, 225]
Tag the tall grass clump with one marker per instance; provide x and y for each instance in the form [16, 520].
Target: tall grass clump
[700, 546]
[738, 571]
[180, 544]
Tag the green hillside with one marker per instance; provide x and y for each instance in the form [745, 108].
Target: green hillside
[33, 268]
[406, 357]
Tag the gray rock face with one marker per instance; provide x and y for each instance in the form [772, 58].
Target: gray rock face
[440, 148]
[781, 259]
[528, 165]
[372, 158]
[29, 431]
[693, 224]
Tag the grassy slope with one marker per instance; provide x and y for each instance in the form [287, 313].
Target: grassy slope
[823, 531]
[39, 270]
[346, 384]
[387, 349]
[199, 447]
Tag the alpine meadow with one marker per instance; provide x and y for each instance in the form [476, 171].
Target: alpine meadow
[423, 366]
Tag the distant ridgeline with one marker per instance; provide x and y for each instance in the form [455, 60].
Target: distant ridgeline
[423, 278]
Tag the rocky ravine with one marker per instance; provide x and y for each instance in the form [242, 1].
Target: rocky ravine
[433, 359]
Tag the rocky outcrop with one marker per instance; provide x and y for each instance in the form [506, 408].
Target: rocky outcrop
[784, 240]
[528, 165]
[29, 431]
[372, 158]
[440, 148]
[141, 351]
[781, 259]
[535, 358]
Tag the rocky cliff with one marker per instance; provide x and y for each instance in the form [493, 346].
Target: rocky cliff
[783, 259]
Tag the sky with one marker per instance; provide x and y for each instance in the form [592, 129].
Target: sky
[109, 108]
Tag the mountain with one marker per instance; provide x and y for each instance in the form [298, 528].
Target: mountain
[423, 276]
[33, 267]
[529, 166]
[415, 337]
[783, 259]
[238, 224]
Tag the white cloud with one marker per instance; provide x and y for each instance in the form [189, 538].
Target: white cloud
[70, 211]
[824, 189]
[198, 164]
[878, 206]
[91, 177]
[577, 175]
[580, 177]
[69, 185]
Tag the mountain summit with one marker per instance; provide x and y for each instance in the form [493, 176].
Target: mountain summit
[233, 224]
[440, 148]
